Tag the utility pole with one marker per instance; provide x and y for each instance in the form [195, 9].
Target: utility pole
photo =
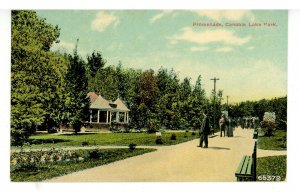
[227, 103]
[215, 81]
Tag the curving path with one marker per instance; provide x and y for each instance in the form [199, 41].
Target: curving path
[177, 163]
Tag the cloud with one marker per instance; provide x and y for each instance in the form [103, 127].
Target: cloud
[198, 49]
[104, 20]
[160, 15]
[210, 36]
[233, 15]
[68, 47]
[63, 46]
[224, 49]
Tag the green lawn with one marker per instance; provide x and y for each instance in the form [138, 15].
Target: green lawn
[41, 172]
[273, 142]
[61, 140]
[271, 166]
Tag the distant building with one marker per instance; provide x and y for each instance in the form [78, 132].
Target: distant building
[104, 112]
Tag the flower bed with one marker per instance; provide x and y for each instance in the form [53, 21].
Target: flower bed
[42, 165]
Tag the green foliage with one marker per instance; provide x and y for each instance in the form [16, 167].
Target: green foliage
[153, 126]
[54, 169]
[268, 128]
[77, 89]
[94, 154]
[61, 140]
[275, 142]
[273, 165]
[132, 146]
[158, 140]
[85, 143]
[37, 76]
[95, 62]
[173, 136]
[258, 108]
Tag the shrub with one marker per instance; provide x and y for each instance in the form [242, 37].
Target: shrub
[158, 140]
[94, 154]
[28, 166]
[85, 143]
[193, 133]
[153, 126]
[173, 136]
[268, 128]
[185, 134]
[132, 146]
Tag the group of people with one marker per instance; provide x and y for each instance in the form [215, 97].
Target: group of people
[225, 124]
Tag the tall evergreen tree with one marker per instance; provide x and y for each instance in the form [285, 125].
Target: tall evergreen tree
[77, 88]
[95, 62]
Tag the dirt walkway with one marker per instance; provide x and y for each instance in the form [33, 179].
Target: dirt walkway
[178, 163]
[265, 153]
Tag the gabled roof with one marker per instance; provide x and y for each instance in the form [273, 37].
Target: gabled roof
[120, 105]
[93, 96]
[100, 103]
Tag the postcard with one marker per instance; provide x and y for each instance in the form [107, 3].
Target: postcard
[148, 95]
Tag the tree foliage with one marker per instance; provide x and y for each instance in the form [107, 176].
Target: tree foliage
[36, 75]
[77, 89]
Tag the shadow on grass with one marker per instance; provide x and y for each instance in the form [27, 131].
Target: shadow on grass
[50, 140]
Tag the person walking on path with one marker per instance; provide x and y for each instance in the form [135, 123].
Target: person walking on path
[229, 127]
[204, 130]
[222, 124]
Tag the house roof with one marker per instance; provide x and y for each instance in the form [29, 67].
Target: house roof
[98, 102]
[93, 96]
[120, 105]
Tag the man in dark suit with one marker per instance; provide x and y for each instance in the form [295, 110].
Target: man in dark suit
[204, 130]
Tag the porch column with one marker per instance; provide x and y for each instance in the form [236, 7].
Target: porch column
[127, 117]
[91, 115]
[118, 117]
[110, 117]
[106, 116]
[98, 116]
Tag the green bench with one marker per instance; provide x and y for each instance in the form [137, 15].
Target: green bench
[246, 170]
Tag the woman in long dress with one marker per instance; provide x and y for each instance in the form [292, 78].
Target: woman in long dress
[229, 128]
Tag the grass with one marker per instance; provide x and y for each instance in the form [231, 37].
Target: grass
[112, 139]
[272, 143]
[273, 166]
[50, 170]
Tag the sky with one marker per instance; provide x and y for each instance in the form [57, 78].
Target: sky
[249, 60]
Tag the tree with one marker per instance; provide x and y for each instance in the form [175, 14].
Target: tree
[199, 92]
[36, 75]
[77, 88]
[185, 89]
[95, 62]
[146, 98]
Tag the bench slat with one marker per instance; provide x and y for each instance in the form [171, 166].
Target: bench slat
[245, 166]
[238, 170]
[248, 172]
